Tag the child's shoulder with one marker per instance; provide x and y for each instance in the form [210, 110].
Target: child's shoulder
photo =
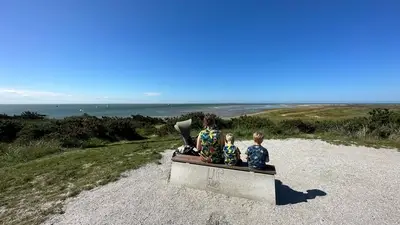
[231, 146]
[252, 147]
[256, 147]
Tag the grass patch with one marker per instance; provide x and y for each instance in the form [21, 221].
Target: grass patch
[322, 112]
[24, 152]
[333, 138]
[30, 191]
[367, 141]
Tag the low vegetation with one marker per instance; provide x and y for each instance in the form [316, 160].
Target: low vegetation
[377, 127]
[33, 189]
[324, 112]
[43, 161]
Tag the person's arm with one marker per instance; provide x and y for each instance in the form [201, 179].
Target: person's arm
[198, 144]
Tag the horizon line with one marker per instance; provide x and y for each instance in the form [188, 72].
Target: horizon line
[214, 103]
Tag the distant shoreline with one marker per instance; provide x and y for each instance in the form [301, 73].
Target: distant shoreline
[296, 106]
[126, 110]
[299, 104]
[226, 111]
[311, 106]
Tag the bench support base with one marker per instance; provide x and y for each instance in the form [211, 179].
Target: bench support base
[244, 184]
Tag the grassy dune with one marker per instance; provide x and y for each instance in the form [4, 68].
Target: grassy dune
[328, 112]
[30, 191]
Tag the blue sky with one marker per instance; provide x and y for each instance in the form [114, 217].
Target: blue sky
[79, 51]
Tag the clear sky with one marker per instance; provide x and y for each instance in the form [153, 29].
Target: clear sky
[78, 51]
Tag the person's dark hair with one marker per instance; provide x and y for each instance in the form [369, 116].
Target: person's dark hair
[209, 121]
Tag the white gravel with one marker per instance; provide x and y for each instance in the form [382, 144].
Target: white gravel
[349, 185]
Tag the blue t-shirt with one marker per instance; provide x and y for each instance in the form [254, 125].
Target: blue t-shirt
[257, 156]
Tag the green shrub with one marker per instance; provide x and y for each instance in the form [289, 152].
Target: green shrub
[5, 116]
[382, 132]
[9, 129]
[352, 127]
[31, 115]
[36, 131]
[325, 126]
[296, 126]
[121, 129]
[81, 128]
[223, 124]
[147, 120]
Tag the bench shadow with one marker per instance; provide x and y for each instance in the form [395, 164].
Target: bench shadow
[286, 195]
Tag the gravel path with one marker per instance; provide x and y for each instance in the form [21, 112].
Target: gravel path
[320, 184]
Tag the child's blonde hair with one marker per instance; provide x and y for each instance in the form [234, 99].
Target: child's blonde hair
[258, 137]
[229, 138]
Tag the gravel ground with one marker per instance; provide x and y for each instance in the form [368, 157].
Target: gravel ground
[320, 184]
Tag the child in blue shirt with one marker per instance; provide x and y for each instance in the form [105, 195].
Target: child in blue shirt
[257, 155]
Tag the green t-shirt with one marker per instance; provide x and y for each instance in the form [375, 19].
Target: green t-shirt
[231, 154]
[211, 148]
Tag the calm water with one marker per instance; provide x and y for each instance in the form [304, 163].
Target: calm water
[155, 110]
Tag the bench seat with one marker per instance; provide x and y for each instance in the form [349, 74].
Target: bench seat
[237, 181]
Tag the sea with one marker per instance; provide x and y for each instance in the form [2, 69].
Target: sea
[125, 110]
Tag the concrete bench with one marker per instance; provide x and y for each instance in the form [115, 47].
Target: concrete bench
[238, 181]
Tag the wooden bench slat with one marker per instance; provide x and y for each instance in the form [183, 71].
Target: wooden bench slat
[270, 169]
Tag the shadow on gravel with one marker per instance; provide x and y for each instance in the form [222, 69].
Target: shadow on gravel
[286, 195]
